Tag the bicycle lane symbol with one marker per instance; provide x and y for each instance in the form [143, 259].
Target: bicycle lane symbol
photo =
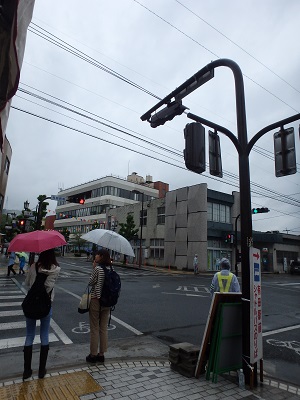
[292, 345]
[84, 327]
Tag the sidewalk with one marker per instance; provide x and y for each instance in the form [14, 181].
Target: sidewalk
[135, 368]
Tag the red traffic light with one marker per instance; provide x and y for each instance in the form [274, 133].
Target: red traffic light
[81, 201]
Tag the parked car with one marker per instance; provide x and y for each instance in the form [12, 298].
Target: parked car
[295, 267]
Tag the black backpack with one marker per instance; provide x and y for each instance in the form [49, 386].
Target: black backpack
[111, 288]
[37, 303]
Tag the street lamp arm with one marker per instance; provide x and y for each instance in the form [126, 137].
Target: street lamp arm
[217, 127]
[268, 128]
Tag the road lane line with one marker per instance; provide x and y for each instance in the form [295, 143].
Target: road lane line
[60, 333]
[289, 328]
[129, 327]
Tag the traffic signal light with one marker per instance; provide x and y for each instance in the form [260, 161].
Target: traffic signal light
[229, 238]
[194, 152]
[260, 210]
[167, 114]
[21, 223]
[215, 161]
[76, 199]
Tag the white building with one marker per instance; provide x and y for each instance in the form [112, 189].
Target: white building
[100, 196]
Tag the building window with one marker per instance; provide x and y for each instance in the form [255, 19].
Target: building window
[157, 249]
[218, 213]
[144, 216]
[160, 215]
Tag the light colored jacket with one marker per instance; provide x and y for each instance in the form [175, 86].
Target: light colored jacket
[50, 281]
[234, 284]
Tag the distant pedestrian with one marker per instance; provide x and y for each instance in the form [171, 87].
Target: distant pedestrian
[22, 262]
[11, 263]
[195, 264]
[224, 281]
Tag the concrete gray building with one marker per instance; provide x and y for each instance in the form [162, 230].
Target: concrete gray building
[194, 220]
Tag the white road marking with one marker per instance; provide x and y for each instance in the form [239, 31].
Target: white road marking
[11, 304]
[15, 325]
[60, 333]
[185, 294]
[19, 341]
[289, 328]
[129, 327]
[10, 313]
[20, 296]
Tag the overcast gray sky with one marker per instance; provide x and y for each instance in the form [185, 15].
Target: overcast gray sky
[156, 45]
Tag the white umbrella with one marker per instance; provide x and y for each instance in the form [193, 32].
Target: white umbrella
[110, 240]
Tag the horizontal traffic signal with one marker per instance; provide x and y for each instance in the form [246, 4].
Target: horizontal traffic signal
[260, 210]
[78, 199]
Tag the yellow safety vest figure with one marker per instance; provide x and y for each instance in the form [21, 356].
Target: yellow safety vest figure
[224, 281]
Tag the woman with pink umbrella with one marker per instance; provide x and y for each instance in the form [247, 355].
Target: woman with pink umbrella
[42, 242]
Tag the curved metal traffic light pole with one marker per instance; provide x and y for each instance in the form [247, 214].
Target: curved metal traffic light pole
[243, 148]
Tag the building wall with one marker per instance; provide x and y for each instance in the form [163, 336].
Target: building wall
[5, 158]
[186, 227]
[80, 223]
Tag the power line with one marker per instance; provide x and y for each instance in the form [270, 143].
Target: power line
[237, 45]
[214, 54]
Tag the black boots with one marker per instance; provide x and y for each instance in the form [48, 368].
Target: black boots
[27, 362]
[43, 360]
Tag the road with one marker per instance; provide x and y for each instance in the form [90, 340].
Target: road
[170, 307]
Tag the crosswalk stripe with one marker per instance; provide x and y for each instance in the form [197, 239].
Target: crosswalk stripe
[21, 296]
[19, 341]
[10, 313]
[9, 291]
[10, 304]
[15, 325]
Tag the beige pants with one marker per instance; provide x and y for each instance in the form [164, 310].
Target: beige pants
[98, 326]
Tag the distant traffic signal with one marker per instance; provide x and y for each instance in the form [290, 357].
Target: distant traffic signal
[76, 199]
[21, 223]
[229, 238]
[260, 210]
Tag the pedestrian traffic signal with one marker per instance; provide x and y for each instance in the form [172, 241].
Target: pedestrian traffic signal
[260, 210]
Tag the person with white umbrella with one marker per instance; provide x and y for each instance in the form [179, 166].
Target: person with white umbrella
[98, 315]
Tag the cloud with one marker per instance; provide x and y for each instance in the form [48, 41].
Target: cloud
[159, 54]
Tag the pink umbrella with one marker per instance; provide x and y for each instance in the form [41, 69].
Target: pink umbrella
[37, 241]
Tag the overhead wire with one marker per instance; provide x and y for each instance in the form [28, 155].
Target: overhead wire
[213, 53]
[230, 176]
[94, 62]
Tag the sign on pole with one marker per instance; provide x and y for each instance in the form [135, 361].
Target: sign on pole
[256, 343]
[57, 198]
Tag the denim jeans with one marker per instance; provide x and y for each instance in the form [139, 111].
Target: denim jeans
[44, 330]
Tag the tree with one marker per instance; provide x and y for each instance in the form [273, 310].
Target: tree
[128, 228]
[43, 210]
